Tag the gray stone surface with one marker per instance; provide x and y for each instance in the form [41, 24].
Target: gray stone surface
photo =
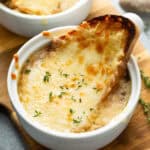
[9, 137]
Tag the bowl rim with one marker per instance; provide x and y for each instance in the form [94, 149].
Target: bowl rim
[125, 114]
[70, 10]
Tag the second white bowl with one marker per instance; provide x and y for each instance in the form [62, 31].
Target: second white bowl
[30, 25]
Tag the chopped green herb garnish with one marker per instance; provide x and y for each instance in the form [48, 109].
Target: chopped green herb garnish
[96, 89]
[61, 94]
[77, 121]
[146, 80]
[72, 98]
[91, 109]
[50, 96]
[60, 72]
[81, 75]
[63, 74]
[80, 100]
[62, 87]
[83, 81]
[146, 108]
[46, 77]
[37, 113]
[79, 86]
[78, 83]
[27, 71]
[71, 110]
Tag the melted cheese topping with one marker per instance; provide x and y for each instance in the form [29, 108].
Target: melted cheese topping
[66, 112]
[41, 7]
[62, 85]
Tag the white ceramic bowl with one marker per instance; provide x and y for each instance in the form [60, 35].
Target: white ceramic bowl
[30, 25]
[71, 141]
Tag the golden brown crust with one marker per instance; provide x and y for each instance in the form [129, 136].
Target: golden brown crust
[132, 33]
[125, 23]
[13, 76]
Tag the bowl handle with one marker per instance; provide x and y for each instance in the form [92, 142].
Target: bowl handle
[135, 19]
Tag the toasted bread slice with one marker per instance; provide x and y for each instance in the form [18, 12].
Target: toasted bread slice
[85, 64]
[100, 50]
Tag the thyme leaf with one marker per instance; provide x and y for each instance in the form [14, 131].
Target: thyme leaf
[27, 71]
[63, 74]
[50, 96]
[91, 109]
[46, 77]
[77, 120]
[145, 79]
[71, 110]
[37, 113]
[61, 94]
[96, 89]
[146, 108]
[72, 98]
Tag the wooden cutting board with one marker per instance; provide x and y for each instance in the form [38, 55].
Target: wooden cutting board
[135, 137]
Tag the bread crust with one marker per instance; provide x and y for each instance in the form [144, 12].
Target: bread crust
[128, 25]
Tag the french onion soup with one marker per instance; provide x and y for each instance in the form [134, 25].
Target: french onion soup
[79, 82]
[40, 7]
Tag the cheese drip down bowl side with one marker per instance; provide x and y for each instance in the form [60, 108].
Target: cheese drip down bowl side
[58, 140]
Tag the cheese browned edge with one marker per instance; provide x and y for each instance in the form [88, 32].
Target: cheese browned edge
[128, 25]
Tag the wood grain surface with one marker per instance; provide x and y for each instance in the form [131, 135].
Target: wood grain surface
[135, 137]
[9, 40]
